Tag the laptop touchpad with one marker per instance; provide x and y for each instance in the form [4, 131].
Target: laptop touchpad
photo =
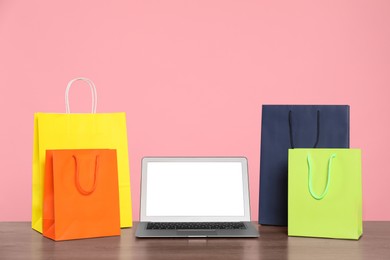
[195, 233]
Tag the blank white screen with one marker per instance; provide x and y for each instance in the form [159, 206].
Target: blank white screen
[194, 189]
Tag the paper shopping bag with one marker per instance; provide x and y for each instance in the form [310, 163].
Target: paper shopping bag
[81, 195]
[293, 126]
[80, 131]
[325, 193]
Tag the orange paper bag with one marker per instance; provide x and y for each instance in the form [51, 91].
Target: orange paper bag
[81, 195]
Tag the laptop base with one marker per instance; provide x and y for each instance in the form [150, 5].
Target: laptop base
[249, 232]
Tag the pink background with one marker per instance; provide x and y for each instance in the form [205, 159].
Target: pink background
[192, 76]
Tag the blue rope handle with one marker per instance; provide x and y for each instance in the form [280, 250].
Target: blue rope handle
[291, 131]
[309, 164]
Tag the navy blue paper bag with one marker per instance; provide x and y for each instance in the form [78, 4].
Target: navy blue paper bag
[293, 126]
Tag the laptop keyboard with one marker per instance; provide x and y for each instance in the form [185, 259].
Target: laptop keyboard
[195, 225]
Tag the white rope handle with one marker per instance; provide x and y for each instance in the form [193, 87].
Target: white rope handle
[93, 90]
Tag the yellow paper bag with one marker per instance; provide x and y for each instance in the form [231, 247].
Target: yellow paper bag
[80, 131]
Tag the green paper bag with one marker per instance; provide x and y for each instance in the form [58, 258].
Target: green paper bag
[325, 193]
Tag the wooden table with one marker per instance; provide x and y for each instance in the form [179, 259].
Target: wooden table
[19, 241]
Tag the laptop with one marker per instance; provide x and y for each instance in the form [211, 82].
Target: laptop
[195, 197]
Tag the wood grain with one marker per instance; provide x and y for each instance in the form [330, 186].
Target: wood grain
[19, 241]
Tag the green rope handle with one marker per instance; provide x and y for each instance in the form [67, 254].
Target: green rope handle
[312, 193]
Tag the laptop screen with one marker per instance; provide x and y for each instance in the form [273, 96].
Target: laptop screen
[195, 189]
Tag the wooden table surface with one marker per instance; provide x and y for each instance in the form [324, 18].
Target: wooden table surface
[19, 241]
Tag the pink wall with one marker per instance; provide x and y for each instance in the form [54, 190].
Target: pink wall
[192, 76]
